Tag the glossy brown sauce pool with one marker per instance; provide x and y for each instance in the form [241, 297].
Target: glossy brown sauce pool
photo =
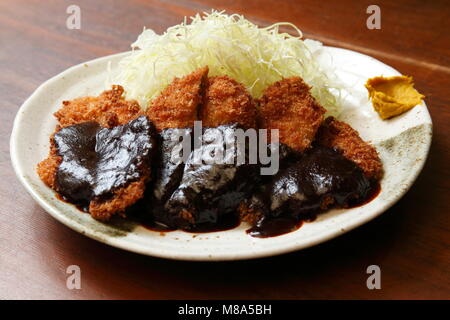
[142, 213]
[225, 222]
[96, 161]
[274, 227]
[84, 208]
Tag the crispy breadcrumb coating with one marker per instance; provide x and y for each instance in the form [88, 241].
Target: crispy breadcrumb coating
[177, 105]
[340, 135]
[99, 208]
[227, 101]
[46, 169]
[287, 105]
[104, 209]
[109, 109]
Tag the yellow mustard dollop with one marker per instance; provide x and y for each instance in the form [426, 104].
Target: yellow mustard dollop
[392, 96]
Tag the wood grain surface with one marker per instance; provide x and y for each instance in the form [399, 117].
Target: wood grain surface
[410, 242]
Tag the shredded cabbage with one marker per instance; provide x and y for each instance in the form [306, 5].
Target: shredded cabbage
[230, 45]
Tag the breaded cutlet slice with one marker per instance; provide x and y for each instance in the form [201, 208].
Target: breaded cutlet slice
[337, 134]
[287, 105]
[46, 169]
[177, 105]
[100, 209]
[227, 101]
[109, 109]
[122, 198]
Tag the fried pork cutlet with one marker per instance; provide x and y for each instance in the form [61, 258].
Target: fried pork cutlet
[339, 135]
[319, 179]
[46, 169]
[109, 109]
[177, 105]
[208, 191]
[102, 169]
[227, 101]
[287, 105]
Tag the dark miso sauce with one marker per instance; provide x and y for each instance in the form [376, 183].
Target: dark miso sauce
[274, 227]
[226, 222]
[97, 161]
[143, 213]
[319, 180]
[374, 191]
[305, 186]
[278, 226]
[83, 207]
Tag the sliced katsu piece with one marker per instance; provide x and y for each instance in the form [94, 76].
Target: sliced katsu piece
[100, 153]
[339, 170]
[227, 101]
[255, 207]
[177, 105]
[321, 178]
[194, 194]
[210, 189]
[287, 105]
[103, 170]
[173, 112]
[170, 165]
[339, 135]
[109, 109]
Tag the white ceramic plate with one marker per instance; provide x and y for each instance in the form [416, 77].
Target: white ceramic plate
[402, 143]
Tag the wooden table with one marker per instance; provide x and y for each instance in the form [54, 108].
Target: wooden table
[410, 242]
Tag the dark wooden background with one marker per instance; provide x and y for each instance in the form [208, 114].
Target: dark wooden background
[410, 242]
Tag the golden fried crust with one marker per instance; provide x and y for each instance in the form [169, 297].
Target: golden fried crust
[109, 109]
[103, 209]
[99, 209]
[339, 135]
[287, 105]
[46, 169]
[123, 198]
[227, 101]
[177, 105]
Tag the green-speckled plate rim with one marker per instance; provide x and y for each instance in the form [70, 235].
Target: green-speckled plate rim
[414, 142]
